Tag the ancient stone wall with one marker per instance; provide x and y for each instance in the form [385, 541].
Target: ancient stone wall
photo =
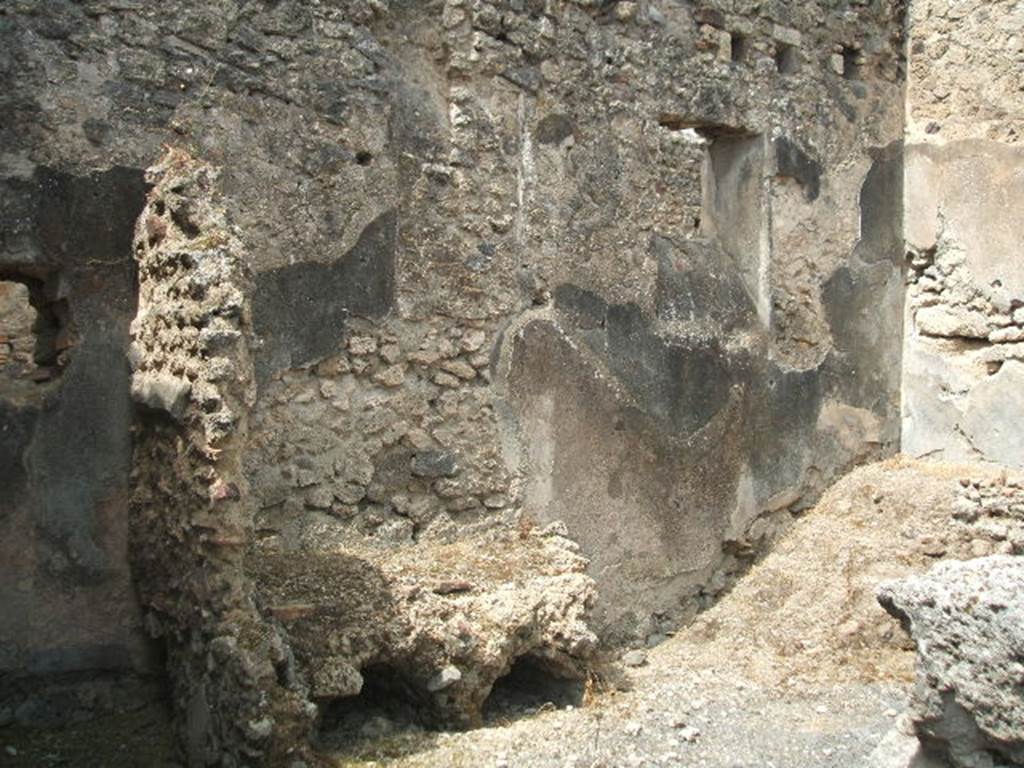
[263, 633]
[964, 379]
[618, 256]
[511, 275]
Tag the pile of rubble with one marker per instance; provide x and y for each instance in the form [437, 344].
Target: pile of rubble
[967, 619]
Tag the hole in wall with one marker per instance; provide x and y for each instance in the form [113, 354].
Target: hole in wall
[364, 157]
[529, 687]
[787, 59]
[739, 48]
[182, 220]
[851, 63]
[673, 122]
[35, 332]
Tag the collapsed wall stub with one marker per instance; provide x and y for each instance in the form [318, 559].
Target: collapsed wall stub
[447, 621]
[191, 518]
[964, 190]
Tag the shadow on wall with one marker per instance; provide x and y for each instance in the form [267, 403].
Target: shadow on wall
[299, 310]
[638, 445]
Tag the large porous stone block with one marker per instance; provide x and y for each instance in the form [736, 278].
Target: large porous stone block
[967, 619]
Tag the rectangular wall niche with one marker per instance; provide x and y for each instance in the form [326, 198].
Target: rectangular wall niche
[735, 210]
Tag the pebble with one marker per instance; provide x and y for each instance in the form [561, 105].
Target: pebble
[931, 547]
[497, 501]
[362, 345]
[625, 11]
[689, 734]
[634, 658]
[260, 729]
[473, 340]
[445, 380]
[392, 376]
[446, 677]
[459, 368]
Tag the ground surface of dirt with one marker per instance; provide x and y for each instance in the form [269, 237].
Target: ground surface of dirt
[798, 667]
[141, 739]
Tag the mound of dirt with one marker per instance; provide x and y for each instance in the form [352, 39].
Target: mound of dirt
[807, 612]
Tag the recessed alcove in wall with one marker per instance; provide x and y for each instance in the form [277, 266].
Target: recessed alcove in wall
[735, 206]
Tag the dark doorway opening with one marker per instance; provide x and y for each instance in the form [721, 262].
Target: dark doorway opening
[851, 63]
[739, 48]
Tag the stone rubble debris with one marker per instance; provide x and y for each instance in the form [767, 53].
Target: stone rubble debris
[967, 620]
